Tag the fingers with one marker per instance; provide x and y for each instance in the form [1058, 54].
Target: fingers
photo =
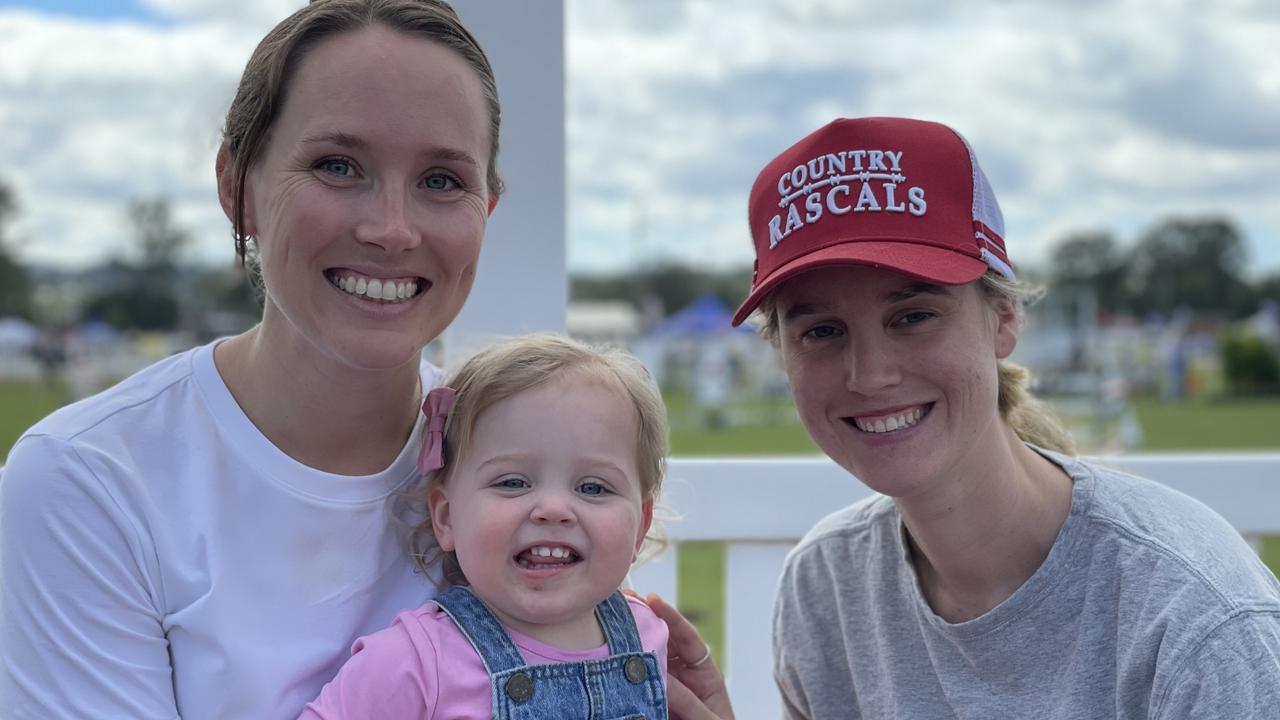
[683, 704]
[696, 685]
[685, 642]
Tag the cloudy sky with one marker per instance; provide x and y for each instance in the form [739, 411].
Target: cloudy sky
[1087, 114]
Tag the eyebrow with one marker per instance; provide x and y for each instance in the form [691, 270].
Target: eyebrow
[905, 293]
[914, 289]
[352, 142]
[521, 458]
[336, 138]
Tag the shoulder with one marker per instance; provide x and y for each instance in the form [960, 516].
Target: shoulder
[394, 672]
[852, 530]
[653, 629]
[843, 565]
[1169, 537]
[92, 447]
[1233, 671]
[131, 397]
[411, 649]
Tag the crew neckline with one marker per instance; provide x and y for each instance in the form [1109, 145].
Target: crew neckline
[1041, 583]
[244, 438]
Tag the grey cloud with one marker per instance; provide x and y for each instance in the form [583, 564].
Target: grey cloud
[1206, 96]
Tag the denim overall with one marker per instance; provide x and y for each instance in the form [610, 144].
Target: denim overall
[623, 686]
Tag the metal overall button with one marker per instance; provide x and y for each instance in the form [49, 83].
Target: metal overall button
[635, 670]
[519, 687]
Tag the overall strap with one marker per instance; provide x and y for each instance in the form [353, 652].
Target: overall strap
[481, 629]
[619, 625]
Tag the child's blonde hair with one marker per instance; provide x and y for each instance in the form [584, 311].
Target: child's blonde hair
[514, 366]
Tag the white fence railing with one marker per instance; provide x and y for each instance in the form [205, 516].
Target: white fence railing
[760, 507]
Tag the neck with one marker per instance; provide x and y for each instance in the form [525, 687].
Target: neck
[323, 414]
[981, 535]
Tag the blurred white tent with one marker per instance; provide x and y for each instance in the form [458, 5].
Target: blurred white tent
[16, 333]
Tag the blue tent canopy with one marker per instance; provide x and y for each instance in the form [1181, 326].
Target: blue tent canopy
[703, 317]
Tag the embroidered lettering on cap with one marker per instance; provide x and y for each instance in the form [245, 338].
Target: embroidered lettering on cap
[824, 185]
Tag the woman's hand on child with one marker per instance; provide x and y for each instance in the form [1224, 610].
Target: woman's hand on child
[695, 688]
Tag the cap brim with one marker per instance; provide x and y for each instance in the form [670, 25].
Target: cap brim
[922, 262]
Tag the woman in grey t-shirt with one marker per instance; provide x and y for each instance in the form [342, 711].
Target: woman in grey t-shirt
[996, 575]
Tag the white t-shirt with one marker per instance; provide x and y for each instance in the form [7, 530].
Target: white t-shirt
[160, 558]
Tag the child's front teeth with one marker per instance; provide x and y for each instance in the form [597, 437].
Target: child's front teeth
[550, 552]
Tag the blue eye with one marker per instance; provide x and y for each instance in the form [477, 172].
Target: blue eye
[592, 489]
[337, 166]
[441, 181]
[512, 482]
[914, 318]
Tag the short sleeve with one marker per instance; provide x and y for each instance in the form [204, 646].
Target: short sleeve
[389, 675]
[80, 628]
[653, 632]
[785, 635]
[1234, 672]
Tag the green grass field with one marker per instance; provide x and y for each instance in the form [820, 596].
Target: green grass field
[1225, 425]
[21, 405]
[1247, 424]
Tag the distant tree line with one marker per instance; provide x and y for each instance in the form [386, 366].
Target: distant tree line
[667, 286]
[1196, 264]
[1193, 264]
[15, 284]
[149, 288]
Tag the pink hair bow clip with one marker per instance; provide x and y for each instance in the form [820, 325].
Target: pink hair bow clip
[436, 407]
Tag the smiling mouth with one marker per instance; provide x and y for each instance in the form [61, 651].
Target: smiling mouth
[891, 422]
[387, 292]
[547, 556]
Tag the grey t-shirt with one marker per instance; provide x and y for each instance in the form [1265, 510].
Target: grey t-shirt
[1149, 605]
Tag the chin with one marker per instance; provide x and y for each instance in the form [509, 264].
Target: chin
[380, 351]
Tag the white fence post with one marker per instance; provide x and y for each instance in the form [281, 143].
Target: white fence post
[521, 284]
[751, 579]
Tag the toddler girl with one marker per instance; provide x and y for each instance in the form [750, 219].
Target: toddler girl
[543, 458]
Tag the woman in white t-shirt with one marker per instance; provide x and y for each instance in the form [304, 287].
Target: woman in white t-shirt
[207, 538]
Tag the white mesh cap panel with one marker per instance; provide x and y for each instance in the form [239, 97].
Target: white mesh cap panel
[987, 212]
[985, 208]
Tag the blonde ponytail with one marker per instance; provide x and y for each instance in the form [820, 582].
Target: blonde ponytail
[1033, 420]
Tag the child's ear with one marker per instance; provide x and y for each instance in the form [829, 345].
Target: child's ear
[438, 507]
[646, 519]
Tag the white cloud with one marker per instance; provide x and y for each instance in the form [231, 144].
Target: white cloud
[1085, 114]
[96, 114]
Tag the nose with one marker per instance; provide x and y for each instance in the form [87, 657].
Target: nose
[552, 508]
[387, 224]
[871, 367]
